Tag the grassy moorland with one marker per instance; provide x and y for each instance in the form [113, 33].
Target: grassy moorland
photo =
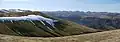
[107, 36]
[38, 29]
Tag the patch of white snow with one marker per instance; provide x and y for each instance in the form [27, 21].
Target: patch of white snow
[31, 17]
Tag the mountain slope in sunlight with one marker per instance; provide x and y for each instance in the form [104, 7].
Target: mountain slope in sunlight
[107, 36]
[44, 28]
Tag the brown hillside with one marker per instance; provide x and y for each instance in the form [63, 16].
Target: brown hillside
[107, 36]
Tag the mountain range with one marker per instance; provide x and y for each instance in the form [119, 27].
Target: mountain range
[38, 24]
[96, 20]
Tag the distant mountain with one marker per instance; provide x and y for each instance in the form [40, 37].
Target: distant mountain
[96, 20]
[38, 24]
[13, 10]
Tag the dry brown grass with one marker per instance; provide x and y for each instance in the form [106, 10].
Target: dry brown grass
[107, 36]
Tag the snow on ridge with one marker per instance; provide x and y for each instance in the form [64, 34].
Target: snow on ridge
[13, 10]
[30, 17]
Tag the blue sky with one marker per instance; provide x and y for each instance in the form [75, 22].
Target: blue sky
[55, 5]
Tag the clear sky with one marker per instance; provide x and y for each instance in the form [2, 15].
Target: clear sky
[55, 5]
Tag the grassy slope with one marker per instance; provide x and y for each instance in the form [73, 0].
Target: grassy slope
[107, 36]
[27, 28]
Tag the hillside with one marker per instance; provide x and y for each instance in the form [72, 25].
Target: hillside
[96, 20]
[107, 36]
[38, 24]
[34, 26]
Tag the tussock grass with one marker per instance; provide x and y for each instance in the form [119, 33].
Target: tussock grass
[107, 36]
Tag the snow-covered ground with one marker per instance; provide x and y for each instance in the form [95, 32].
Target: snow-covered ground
[30, 17]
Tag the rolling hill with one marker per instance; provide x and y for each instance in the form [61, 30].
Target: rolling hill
[107, 36]
[97, 20]
[27, 24]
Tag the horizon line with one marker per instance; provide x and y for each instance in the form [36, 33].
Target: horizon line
[58, 10]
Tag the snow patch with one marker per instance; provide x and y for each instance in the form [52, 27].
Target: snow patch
[30, 17]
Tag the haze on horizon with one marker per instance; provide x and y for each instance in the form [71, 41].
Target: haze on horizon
[68, 5]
